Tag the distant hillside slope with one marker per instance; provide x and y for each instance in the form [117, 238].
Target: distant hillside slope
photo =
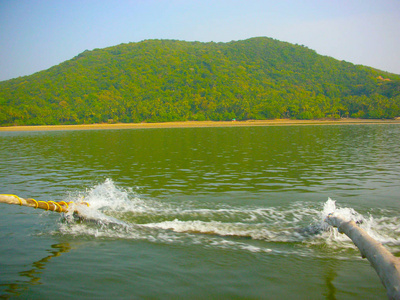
[169, 80]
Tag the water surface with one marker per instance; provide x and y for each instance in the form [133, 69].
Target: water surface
[202, 212]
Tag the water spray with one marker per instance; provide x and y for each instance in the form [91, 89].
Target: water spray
[385, 264]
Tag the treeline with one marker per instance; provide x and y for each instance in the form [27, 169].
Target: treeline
[168, 80]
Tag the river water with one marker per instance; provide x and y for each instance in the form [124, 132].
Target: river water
[198, 213]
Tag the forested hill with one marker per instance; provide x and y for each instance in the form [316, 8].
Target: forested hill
[169, 80]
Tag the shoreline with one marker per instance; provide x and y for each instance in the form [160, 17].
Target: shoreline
[198, 124]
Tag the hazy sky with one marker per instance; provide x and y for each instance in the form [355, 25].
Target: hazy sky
[38, 34]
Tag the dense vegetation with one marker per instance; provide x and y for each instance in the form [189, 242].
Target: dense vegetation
[168, 80]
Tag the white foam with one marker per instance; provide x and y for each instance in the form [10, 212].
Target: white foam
[122, 213]
[385, 230]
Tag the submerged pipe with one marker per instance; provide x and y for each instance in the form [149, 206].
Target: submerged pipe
[385, 264]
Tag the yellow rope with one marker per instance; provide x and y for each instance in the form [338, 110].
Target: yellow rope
[37, 204]
[55, 206]
[48, 207]
[84, 202]
[64, 203]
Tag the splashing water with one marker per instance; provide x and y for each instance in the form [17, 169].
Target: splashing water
[123, 214]
[384, 229]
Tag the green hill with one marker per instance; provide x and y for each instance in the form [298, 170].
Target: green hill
[169, 80]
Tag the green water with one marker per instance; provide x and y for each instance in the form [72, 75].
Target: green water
[206, 213]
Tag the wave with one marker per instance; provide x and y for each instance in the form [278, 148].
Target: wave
[119, 213]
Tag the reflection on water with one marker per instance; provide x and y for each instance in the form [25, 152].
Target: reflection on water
[345, 161]
[33, 275]
[330, 276]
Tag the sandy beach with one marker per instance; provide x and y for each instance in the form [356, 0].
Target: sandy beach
[189, 124]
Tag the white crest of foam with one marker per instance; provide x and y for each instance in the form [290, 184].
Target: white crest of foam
[213, 224]
[213, 227]
[107, 196]
[376, 228]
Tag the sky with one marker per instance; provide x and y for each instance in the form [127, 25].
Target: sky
[38, 34]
